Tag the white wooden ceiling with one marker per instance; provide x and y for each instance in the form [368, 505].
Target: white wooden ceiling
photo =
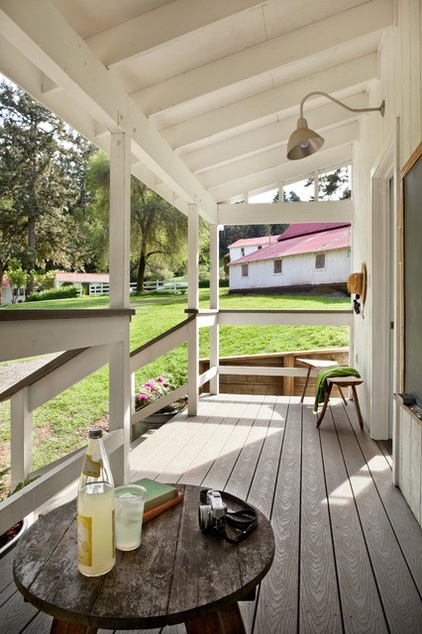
[208, 90]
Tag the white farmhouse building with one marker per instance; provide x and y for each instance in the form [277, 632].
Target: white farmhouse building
[243, 247]
[305, 255]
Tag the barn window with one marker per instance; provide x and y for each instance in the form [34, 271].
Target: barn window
[242, 251]
[320, 261]
[245, 270]
[278, 266]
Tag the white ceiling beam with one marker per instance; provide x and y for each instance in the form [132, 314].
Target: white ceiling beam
[24, 73]
[38, 30]
[333, 31]
[255, 141]
[264, 161]
[280, 213]
[150, 30]
[262, 108]
[285, 171]
[29, 78]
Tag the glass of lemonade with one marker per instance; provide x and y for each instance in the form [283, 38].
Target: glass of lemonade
[129, 513]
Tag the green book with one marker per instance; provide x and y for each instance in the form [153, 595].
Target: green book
[157, 492]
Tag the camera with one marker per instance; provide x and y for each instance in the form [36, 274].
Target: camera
[214, 517]
[212, 511]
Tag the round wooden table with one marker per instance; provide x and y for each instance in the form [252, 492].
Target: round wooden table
[179, 573]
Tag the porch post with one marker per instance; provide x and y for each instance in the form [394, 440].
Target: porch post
[193, 305]
[21, 437]
[214, 304]
[119, 379]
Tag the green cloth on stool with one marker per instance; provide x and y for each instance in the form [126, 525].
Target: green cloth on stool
[322, 386]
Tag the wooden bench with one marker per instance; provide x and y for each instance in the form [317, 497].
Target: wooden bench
[341, 382]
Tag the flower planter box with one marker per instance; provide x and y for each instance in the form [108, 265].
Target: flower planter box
[10, 537]
[151, 423]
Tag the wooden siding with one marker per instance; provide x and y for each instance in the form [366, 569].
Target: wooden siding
[410, 460]
[348, 549]
[377, 235]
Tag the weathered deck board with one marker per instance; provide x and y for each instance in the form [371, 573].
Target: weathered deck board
[401, 601]
[361, 606]
[319, 600]
[348, 549]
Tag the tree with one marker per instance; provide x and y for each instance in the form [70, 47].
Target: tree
[158, 230]
[332, 184]
[41, 186]
[17, 278]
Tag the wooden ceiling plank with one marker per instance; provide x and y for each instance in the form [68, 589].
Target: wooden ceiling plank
[157, 27]
[255, 141]
[253, 111]
[240, 169]
[329, 33]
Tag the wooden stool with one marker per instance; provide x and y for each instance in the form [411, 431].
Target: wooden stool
[317, 364]
[342, 381]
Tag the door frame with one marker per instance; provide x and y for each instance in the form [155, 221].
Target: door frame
[386, 287]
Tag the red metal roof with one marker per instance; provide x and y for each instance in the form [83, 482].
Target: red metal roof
[337, 238]
[247, 242]
[82, 277]
[304, 228]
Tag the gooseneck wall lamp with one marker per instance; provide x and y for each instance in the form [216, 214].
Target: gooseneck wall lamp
[304, 141]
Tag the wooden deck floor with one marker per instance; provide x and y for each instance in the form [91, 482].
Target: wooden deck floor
[348, 550]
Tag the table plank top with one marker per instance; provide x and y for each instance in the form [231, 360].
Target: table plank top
[178, 573]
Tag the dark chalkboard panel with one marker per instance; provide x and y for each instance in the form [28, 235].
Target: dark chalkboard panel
[411, 191]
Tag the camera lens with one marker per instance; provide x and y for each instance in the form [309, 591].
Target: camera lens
[204, 514]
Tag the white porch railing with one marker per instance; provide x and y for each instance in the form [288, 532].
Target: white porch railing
[92, 335]
[96, 337]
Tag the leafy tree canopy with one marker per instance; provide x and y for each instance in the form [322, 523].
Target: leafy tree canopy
[42, 193]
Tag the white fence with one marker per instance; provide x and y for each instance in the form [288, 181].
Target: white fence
[160, 286]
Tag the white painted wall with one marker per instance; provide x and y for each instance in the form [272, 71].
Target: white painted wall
[7, 295]
[399, 132]
[240, 252]
[296, 270]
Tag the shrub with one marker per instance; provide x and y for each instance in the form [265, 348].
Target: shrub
[57, 293]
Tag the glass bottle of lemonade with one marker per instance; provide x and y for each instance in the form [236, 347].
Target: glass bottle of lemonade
[96, 551]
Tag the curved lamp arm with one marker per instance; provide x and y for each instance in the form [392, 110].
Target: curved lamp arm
[380, 109]
[304, 141]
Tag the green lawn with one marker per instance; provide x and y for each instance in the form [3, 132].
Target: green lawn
[61, 425]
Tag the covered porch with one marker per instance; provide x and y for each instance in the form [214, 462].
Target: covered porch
[201, 112]
[348, 549]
